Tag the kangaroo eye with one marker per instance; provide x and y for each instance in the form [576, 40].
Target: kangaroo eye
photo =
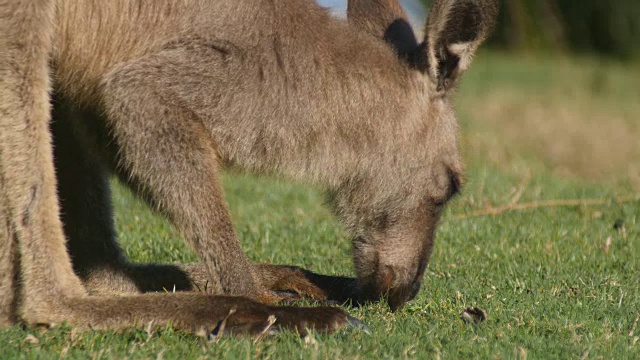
[454, 183]
[439, 205]
[453, 188]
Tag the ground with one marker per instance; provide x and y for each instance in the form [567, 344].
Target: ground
[555, 281]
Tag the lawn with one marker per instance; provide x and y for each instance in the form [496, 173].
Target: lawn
[555, 281]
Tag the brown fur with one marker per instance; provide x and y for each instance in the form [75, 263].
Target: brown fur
[166, 93]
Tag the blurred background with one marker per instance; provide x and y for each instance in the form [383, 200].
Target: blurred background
[556, 90]
[609, 28]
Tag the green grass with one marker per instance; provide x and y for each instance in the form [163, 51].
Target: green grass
[543, 276]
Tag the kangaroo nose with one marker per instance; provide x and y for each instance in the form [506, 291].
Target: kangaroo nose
[397, 297]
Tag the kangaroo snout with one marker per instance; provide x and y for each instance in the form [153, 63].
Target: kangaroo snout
[389, 283]
[396, 288]
[394, 274]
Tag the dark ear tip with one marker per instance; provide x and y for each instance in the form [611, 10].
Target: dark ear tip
[403, 40]
[400, 35]
[418, 58]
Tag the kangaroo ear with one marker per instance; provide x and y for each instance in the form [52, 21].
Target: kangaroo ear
[384, 19]
[454, 31]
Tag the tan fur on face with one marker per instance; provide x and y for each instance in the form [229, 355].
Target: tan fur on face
[164, 94]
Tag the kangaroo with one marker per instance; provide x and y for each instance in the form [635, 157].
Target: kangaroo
[166, 93]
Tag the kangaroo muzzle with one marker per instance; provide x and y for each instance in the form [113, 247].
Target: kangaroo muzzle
[393, 275]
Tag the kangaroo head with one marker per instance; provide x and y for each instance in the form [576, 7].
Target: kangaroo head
[393, 212]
